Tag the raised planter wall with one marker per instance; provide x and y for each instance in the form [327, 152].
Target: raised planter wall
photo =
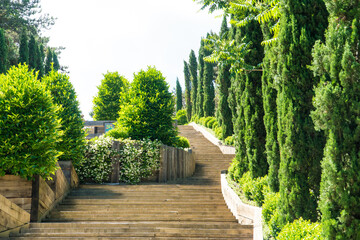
[244, 213]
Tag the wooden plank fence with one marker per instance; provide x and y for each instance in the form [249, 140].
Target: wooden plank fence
[175, 163]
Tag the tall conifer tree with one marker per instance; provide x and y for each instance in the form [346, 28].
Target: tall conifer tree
[49, 60]
[40, 60]
[33, 53]
[337, 112]
[200, 88]
[193, 78]
[224, 81]
[178, 96]
[302, 23]
[3, 52]
[56, 61]
[24, 48]
[187, 91]
[208, 86]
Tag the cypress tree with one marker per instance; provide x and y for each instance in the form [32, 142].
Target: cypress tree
[193, 78]
[337, 111]
[223, 115]
[3, 52]
[56, 61]
[302, 23]
[200, 88]
[187, 91]
[269, 93]
[208, 86]
[178, 96]
[33, 53]
[49, 60]
[40, 60]
[24, 49]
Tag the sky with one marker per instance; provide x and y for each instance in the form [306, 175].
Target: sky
[125, 36]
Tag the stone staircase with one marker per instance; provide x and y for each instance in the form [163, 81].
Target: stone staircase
[191, 208]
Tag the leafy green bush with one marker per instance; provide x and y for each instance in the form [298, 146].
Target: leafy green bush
[219, 133]
[181, 117]
[147, 108]
[29, 125]
[182, 142]
[254, 189]
[207, 119]
[300, 229]
[63, 93]
[138, 159]
[270, 214]
[118, 132]
[96, 165]
[195, 118]
[230, 141]
[202, 121]
[210, 123]
[215, 125]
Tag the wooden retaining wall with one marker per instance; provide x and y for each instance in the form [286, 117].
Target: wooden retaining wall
[175, 163]
[36, 198]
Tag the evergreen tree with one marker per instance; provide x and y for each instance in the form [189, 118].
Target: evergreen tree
[223, 115]
[40, 60]
[208, 86]
[187, 91]
[302, 23]
[33, 53]
[56, 61]
[178, 96]
[107, 101]
[200, 88]
[24, 49]
[64, 95]
[269, 93]
[193, 78]
[3, 52]
[49, 60]
[337, 111]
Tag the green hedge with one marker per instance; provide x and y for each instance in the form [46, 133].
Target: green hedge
[29, 125]
[181, 117]
[300, 229]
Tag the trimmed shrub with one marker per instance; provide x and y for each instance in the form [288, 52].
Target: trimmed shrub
[230, 141]
[210, 123]
[219, 133]
[64, 95]
[254, 189]
[270, 214]
[118, 133]
[181, 117]
[138, 159]
[207, 119]
[182, 142]
[300, 229]
[195, 118]
[215, 125]
[202, 121]
[29, 125]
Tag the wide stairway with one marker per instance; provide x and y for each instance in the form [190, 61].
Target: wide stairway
[191, 208]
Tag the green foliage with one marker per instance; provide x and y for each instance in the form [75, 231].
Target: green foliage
[29, 125]
[200, 88]
[107, 101]
[49, 61]
[300, 229]
[56, 65]
[147, 109]
[181, 117]
[254, 189]
[179, 100]
[96, 165]
[3, 52]
[215, 125]
[219, 133]
[138, 159]
[337, 108]
[182, 142]
[33, 53]
[230, 141]
[194, 80]
[208, 86]
[300, 145]
[118, 132]
[210, 123]
[188, 103]
[72, 124]
[270, 214]
[207, 120]
[195, 118]
[24, 49]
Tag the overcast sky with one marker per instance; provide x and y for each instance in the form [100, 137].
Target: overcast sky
[125, 36]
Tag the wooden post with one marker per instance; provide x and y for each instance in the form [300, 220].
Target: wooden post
[162, 172]
[35, 193]
[114, 177]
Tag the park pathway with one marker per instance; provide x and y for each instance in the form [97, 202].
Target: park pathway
[191, 208]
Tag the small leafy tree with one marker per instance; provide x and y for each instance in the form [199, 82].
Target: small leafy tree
[148, 108]
[107, 102]
[29, 125]
[73, 139]
[187, 90]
